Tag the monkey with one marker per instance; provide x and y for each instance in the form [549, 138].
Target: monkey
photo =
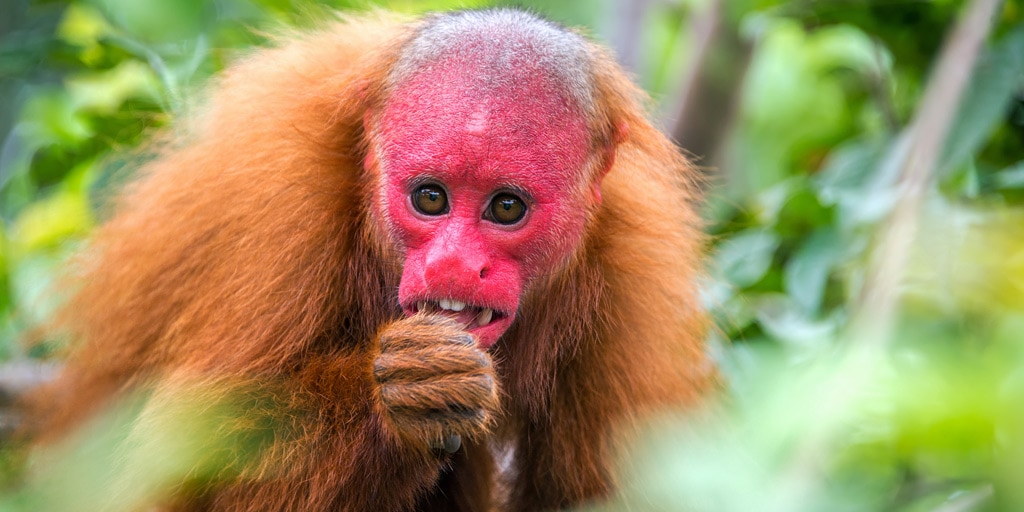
[452, 253]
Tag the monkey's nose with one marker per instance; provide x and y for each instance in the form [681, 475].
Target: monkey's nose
[456, 269]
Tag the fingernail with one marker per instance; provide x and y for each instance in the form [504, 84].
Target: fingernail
[452, 443]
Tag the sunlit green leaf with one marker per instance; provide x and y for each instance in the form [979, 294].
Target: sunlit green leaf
[51, 118]
[969, 259]
[83, 25]
[48, 222]
[103, 92]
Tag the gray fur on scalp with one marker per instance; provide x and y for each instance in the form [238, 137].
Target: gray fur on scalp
[506, 43]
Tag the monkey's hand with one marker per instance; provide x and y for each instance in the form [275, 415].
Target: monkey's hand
[434, 384]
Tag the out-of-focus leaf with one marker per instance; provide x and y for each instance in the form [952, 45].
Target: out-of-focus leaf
[849, 47]
[1011, 177]
[48, 222]
[850, 167]
[858, 178]
[417, 6]
[160, 20]
[5, 294]
[969, 259]
[83, 26]
[732, 314]
[966, 182]
[104, 92]
[802, 213]
[792, 101]
[141, 450]
[807, 272]
[785, 320]
[52, 118]
[837, 434]
[769, 202]
[39, 241]
[998, 75]
[32, 277]
[743, 259]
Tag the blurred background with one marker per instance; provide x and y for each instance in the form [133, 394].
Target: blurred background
[865, 199]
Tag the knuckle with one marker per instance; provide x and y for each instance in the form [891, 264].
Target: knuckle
[381, 369]
[462, 338]
[428, 364]
[455, 394]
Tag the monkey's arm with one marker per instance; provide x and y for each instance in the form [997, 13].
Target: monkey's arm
[366, 429]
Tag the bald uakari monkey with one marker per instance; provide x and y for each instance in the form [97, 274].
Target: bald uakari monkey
[429, 244]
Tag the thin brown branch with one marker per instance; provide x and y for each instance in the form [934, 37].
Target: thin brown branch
[701, 109]
[878, 304]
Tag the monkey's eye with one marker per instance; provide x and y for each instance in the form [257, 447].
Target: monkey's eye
[430, 200]
[506, 208]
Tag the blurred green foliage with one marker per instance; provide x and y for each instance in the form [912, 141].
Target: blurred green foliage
[800, 184]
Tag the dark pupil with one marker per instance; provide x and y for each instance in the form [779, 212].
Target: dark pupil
[507, 209]
[430, 200]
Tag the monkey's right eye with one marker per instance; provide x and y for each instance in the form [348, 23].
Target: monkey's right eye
[430, 200]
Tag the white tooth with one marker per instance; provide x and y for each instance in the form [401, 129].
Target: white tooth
[484, 317]
[444, 303]
[455, 305]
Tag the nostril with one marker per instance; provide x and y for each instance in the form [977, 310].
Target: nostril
[482, 272]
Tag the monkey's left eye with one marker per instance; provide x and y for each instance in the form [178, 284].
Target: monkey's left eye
[506, 209]
[430, 200]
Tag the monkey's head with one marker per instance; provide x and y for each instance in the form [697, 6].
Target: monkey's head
[488, 162]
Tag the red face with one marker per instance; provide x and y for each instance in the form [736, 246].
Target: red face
[484, 191]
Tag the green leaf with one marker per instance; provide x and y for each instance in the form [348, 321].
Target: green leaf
[997, 77]
[47, 223]
[5, 294]
[745, 258]
[160, 20]
[82, 25]
[105, 91]
[858, 178]
[32, 291]
[794, 105]
[51, 117]
[1010, 178]
[806, 273]
[783, 319]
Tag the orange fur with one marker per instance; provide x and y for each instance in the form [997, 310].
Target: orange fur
[243, 257]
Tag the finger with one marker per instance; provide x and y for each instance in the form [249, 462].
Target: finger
[424, 331]
[417, 365]
[436, 424]
[464, 391]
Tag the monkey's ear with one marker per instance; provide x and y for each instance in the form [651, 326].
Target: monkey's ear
[619, 135]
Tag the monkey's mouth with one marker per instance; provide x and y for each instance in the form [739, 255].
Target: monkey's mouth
[488, 324]
[466, 314]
